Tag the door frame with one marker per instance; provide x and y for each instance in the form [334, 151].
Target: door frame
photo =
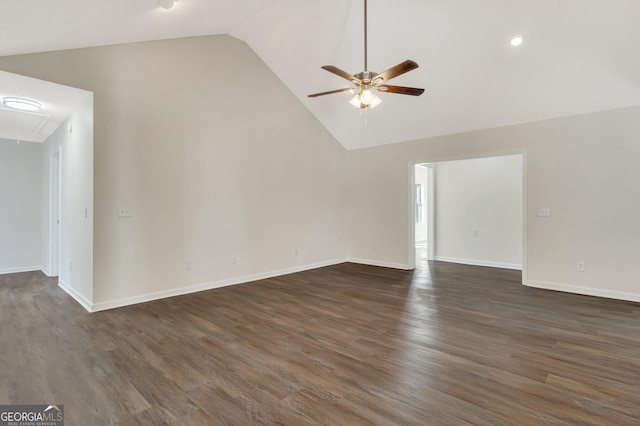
[55, 208]
[430, 211]
[411, 258]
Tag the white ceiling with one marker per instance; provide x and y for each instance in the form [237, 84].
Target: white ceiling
[578, 56]
[58, 103]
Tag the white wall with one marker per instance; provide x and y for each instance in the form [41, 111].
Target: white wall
[218, 161]
[422, 177]
[75, 145]
[584, 168]
[20, 206]
[215, 158]
[483, 195]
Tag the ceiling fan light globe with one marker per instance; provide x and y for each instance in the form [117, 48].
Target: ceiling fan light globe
[367, 96]
[356, 102]
[376, 101]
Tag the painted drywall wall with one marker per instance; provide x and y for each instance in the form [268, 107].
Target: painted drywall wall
[20, 206]
[220, 166]
[584, 168]
[217, 161]
[422, 178]
[478, 211]
[74, 141]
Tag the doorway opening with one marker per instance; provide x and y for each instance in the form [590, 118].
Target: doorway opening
[424, 234]
[63, 168]
[469, 211]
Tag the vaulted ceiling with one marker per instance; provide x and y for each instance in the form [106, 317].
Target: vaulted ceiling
[578, 55]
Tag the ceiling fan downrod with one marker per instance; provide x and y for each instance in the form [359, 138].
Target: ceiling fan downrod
[366, 68]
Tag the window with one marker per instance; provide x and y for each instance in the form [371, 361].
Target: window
[419, 203]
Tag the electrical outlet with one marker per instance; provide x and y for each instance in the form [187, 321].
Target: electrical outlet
[543, 212]
[234, 261]
[580, 267]
[474, 232]
[189, 267]
[124, 212]
[295, 252]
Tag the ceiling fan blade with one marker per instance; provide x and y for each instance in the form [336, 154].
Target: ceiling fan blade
[399, 69]
[315, 95]
[413, 91]
[340, 73]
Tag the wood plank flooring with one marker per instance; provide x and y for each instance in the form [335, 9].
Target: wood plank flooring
[344, 345]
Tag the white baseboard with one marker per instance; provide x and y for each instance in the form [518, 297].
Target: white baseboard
[103, 306]
[380, 263]
[20, 269]
[77, 296]
[474, 262]
[587, 291]
[48, 273]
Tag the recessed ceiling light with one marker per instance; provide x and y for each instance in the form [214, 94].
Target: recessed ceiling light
[166, 4]
[516, 40]
[22, 104]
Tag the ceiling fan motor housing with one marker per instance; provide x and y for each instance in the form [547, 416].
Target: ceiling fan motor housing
[366, 76]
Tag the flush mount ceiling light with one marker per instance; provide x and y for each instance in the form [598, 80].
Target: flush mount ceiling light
[22, 104]
[516, 39]
[166, 4]
[365, 82]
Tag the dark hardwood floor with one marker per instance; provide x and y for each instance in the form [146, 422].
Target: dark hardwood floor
[344, 345]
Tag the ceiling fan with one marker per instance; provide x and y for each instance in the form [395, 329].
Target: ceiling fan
[365, 81]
